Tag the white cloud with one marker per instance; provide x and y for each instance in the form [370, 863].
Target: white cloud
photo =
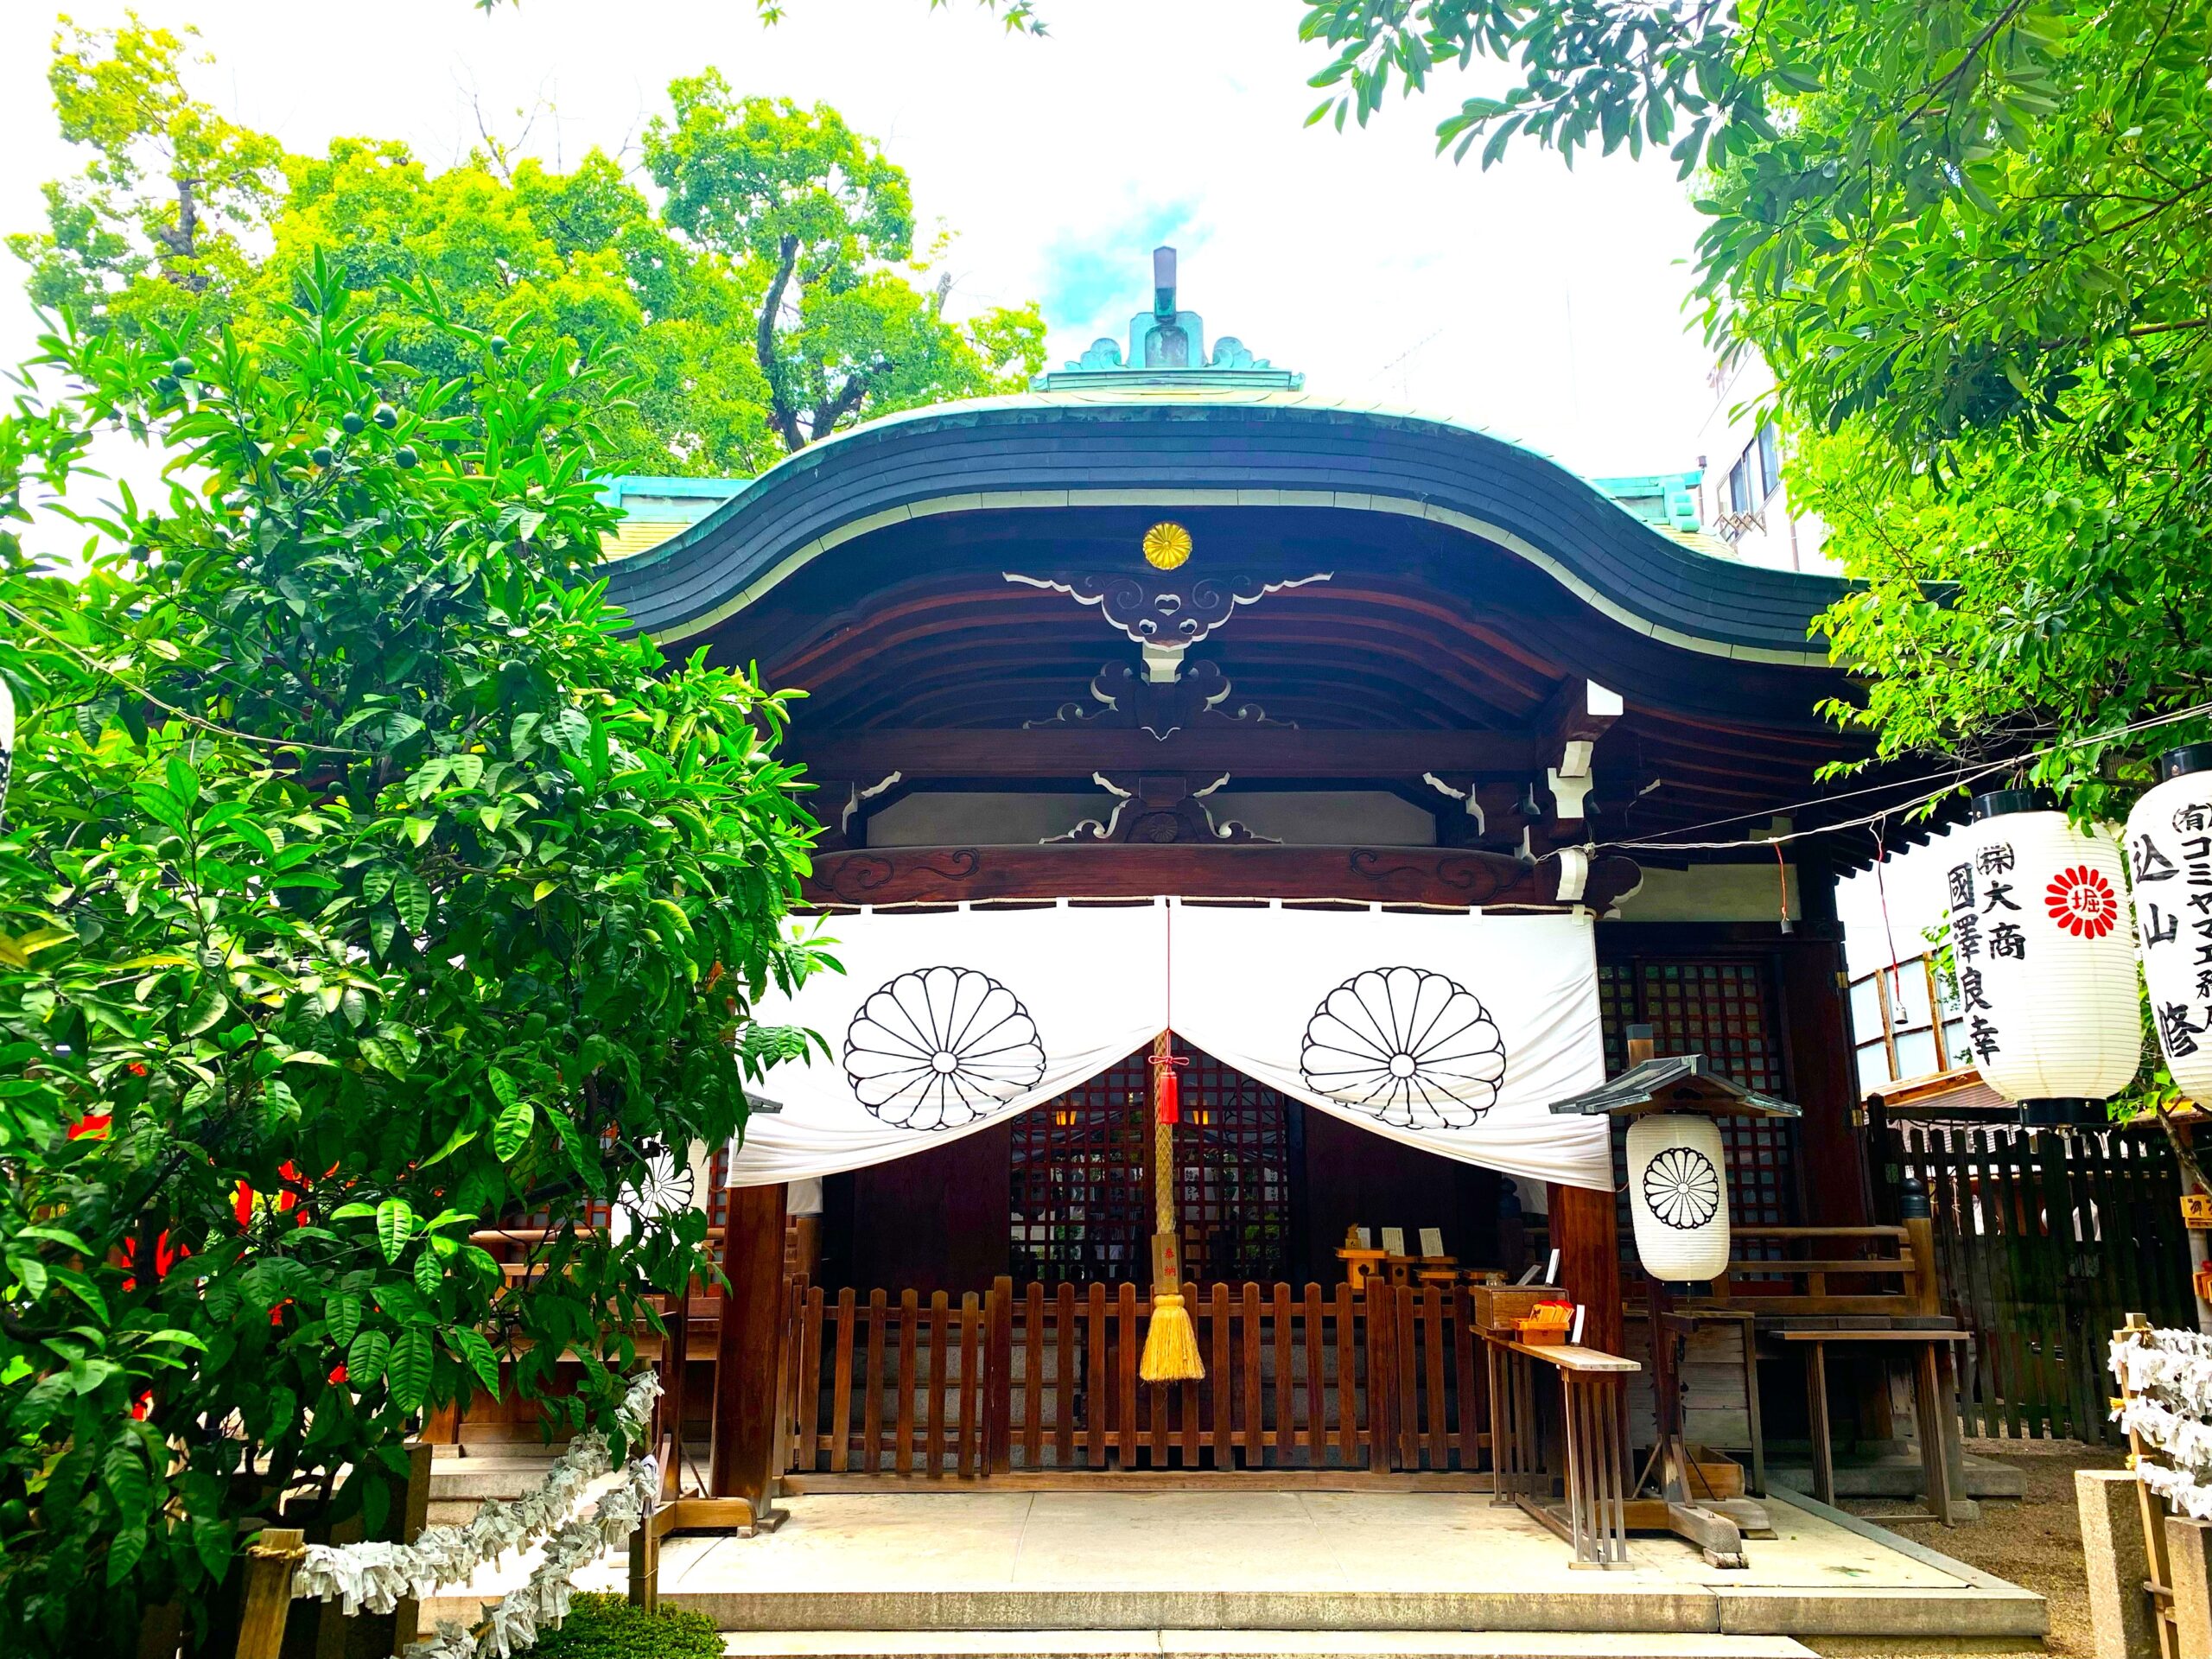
[1542, 303]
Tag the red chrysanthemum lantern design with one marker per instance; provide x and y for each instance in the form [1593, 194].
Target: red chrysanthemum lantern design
[2083, 902]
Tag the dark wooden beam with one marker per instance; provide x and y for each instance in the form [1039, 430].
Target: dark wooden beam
[1246, 751]
[1403, 875]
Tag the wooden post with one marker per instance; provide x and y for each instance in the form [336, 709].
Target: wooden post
[998, 1378]
[645, 1563]
[1925, 1288]
[414, 1515]
[1586, 1232]
[676, 1364]
[268, 1598]
[749, 1360]
[1823, 1080]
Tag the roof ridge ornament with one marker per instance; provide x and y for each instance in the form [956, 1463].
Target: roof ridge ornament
[1168, 351]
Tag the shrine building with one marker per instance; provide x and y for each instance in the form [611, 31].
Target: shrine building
[1393, 771]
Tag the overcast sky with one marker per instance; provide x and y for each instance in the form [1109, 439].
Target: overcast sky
[1542, 303]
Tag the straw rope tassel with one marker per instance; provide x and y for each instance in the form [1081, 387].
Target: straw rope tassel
[1170, 1342]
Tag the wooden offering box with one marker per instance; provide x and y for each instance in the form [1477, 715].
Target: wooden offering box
[1361, 1266]
[1498, 1307]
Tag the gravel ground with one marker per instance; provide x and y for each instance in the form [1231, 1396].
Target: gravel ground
[2034, 1542]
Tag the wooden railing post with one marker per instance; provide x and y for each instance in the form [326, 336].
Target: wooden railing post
[998, 1378]
[1926, 1287]
[268, 1595]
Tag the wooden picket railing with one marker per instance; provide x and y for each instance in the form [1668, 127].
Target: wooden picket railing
[2045, 1241]
[1043, 1379]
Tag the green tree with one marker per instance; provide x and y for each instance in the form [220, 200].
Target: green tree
[820, 219]
[170, 195]
[681, 296]
[361, 886]
[1971, 237]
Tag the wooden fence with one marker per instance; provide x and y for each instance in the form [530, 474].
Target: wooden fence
[2044, 1243]
[1043, 1378]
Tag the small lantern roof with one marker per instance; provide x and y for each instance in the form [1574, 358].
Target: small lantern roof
[1673, 1083]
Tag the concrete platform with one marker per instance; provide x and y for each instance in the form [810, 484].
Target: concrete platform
[1241, 1644]
[1261, 1562]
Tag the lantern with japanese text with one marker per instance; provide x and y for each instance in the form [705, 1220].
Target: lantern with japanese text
[2170, 851]
[2039, 941]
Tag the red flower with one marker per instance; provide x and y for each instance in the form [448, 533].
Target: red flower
[338, 1373]
[91, 1125]
[136, 1068]
[142, 1406]
[2083, 902]
[242, 1205]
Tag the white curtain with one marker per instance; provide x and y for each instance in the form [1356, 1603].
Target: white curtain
[1452, 1032]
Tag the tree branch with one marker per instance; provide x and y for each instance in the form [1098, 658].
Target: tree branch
[780, 404]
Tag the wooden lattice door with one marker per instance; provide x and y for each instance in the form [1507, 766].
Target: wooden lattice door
[1728, 1011]
[1083, 1183]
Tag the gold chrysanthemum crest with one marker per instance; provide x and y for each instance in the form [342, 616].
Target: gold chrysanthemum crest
[1166, 545]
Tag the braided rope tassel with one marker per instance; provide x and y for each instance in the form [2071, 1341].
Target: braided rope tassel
[1170, 1342]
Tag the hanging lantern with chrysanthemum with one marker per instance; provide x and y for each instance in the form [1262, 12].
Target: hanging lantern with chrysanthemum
[2044, 959]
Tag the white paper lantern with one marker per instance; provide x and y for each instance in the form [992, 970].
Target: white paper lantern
[2170, 851]
[2046, 973]
[1678, 1196]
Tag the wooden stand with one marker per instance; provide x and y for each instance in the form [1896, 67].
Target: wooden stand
[1715, 1525]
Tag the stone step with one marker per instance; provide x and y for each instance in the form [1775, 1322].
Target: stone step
[1896, 1475]
[1246, 1644]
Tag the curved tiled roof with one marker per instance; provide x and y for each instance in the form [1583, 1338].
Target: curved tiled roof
[1063, 449]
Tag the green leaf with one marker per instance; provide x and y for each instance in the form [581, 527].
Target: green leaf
[572, 1142]
[364, 1357]
[429, 1275]
[206, 1009]
[409, 1369]
[569, 731]
[124, 1550]
[469, 1347]
[342, 1315]
[459, 1137]
[411, 896]
[505, 1089]
[511, 1132]
[376, 882]
[395, 1226]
